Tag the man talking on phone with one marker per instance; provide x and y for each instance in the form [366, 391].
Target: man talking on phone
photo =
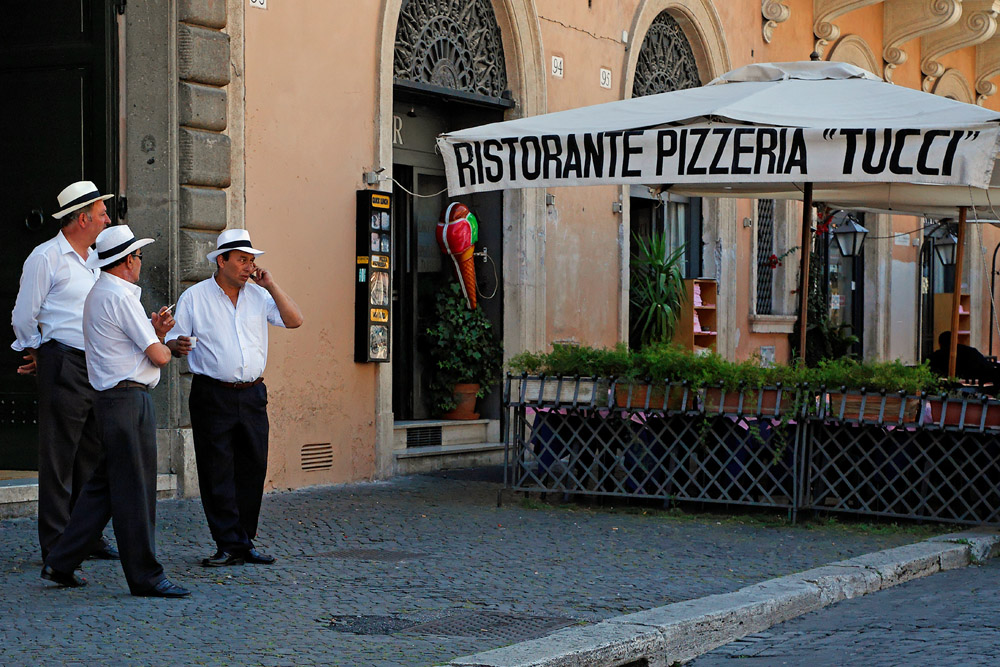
[221, 327]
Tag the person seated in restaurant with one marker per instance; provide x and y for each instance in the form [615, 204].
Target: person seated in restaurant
[970, 363]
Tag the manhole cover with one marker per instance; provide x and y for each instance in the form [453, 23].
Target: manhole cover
[367, 625]
[381, 555]
[495, 625]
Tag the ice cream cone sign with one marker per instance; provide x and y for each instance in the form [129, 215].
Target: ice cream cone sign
[457, 233]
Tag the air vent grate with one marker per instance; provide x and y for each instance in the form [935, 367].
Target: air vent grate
[317, 456]
[423, 436]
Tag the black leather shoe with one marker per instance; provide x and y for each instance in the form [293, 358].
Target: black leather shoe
[164, 589]
[70, 580]
[254, 556]
[223, 559]
[104, 552]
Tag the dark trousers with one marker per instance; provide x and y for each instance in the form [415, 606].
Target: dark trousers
[230, 430]
[123, 487]
[68, 446]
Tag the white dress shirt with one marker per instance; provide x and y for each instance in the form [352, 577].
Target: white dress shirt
[49, 306]
[232, 341]
[117, 332]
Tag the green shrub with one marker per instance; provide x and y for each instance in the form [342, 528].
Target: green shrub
[463, 348]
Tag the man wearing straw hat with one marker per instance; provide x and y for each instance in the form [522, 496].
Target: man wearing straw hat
[125, 351]
[222, 329]
[48, 325]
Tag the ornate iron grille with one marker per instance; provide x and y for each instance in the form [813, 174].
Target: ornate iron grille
[451, 43]
[765, 248]
[666, 61]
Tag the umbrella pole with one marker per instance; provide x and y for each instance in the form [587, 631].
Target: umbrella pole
[807, 204]
[957, 292]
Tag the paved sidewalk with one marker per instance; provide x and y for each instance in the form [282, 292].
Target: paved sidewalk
[424, 569]
[952, 618]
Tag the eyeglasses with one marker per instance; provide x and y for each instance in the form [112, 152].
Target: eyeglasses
[137, 255]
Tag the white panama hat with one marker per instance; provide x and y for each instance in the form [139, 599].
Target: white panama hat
[76, 196]
[113, 244]
[233, 239]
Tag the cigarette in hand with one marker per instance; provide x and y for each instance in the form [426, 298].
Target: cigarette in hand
[167, 309]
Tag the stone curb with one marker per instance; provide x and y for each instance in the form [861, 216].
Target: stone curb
[684, 630]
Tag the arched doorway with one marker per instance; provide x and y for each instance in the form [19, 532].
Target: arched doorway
[449, 72]
[666, 62]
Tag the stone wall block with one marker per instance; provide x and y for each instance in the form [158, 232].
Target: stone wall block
[203, 107]
[202, 208]
[202, 55]
[210, 13]
[204, 158]
[193, 248]
[185, 411]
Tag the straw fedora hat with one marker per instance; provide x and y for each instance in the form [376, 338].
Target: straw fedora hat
[76, 196]
[113, 244]
[233, 239]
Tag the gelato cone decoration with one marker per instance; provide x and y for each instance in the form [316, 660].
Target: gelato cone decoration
[457, 233]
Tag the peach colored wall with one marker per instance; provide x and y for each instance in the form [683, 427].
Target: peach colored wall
[310, 74]
[309, 103]
[582, 257]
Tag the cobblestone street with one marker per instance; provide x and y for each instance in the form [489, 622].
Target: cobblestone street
[414, 571]
[950, 618]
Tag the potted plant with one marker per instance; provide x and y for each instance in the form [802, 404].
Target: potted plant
[866, 390]
[657, 289]
[568, 373]
[465, 354]
[653, 375]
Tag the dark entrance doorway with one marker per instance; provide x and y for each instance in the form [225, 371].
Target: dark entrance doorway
[58, 68]
[420, 270]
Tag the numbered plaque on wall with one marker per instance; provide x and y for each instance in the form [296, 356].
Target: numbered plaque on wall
[373, 274]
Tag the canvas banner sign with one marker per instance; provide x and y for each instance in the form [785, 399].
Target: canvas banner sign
[721, 153]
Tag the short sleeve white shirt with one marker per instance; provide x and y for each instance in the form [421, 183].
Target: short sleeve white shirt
[232, 340]
[49, 306]
[116, 333]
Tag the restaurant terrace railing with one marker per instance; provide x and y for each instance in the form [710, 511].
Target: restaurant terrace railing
[793, 448]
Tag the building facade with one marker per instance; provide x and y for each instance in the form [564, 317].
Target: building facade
[272, 114]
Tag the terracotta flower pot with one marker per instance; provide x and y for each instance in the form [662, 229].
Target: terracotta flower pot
[465, 396]
[730, 404]
[973, 413]
[655, 394]
[873, 403]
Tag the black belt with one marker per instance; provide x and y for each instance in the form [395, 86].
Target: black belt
[232, 385]
[66, 348]
[130, 384]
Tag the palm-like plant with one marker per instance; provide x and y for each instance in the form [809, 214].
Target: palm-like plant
[657, 288]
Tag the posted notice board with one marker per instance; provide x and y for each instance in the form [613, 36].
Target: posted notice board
[373, 277]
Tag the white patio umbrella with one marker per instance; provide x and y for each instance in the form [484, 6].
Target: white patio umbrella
[816, 131]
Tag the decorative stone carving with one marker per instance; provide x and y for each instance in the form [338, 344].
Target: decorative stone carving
[909, 19]
[987, 67]
[977, 24]
[666, 61]
[773, 13]
[952, 83]
[854, 49]
[824, 11]
[451, 43]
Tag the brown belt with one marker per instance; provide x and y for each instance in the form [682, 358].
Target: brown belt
[233, 385]
[129, 384]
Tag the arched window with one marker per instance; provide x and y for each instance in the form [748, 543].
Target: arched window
[450, 44]
[666, 61]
